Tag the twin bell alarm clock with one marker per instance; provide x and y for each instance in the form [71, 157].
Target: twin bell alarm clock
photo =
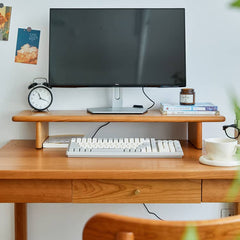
[40, 96]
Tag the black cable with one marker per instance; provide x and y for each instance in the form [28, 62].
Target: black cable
[105, 124]
[153, 103]
[152, 212]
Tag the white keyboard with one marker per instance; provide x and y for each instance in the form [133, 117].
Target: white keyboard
[124, 147]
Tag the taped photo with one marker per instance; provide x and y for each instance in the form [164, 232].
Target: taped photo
[5, 17]
[27, 46]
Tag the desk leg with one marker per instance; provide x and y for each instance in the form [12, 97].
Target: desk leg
[20, 221]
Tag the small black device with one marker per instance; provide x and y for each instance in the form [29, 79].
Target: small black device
[138, 106]
[40, 96]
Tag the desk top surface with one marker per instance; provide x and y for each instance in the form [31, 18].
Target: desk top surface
[20, 160]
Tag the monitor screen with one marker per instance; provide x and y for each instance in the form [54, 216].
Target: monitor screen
[117, 47]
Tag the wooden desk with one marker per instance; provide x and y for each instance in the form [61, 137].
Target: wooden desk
[47, 175]
[30, 175]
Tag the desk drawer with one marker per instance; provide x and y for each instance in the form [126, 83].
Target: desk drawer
[220, 190]
[136, 191]
[35, 191]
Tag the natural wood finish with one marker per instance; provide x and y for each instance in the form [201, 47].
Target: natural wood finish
[195, 134]
[236, 208]
[125, 236]
[42, 132]
[38, 191]
[20, 212]
[20, 160]
[220, 191]
[43, 118]
[30, 175]
[194, 122]
[84, 116]
[123, 191]
[107, 226]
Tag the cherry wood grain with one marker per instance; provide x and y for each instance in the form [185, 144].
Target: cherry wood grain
[20, 212]
[135, 191]
[20, 160]
[195, 134]
[124, 236]
[220, 191]
[22, 166]
[84, 116]
[109, 226]
[237, 208]
[42, 119]
[35, 191]
[42, 132]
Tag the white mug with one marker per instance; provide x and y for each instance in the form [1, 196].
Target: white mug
[221, 148]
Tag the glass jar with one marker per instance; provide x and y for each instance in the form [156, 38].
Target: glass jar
[187, 96]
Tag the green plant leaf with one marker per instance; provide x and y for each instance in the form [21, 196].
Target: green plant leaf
[237, 111]
[236, 106]
[234, 189]
[236, 3]
[190, 233]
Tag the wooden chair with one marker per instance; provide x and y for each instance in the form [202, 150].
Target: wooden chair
[106, 226]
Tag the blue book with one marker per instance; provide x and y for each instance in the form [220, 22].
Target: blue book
[196, 107]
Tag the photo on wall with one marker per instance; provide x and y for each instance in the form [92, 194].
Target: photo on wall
[5, 17]
[27, 46]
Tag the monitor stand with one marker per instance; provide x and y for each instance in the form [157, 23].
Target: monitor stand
[117, 106]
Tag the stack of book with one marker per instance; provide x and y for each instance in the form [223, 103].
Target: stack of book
[59, 141]
[196, 109]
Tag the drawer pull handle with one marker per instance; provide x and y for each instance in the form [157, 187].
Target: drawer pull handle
[137, 191]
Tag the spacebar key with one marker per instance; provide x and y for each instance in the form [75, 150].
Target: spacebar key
[107, 150]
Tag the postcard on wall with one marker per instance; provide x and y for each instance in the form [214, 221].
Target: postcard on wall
[27, 46]
[5, 17]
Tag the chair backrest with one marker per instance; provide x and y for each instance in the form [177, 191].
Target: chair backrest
[106, 226]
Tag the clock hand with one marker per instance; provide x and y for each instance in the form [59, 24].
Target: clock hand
[44, 99]
[41, 97]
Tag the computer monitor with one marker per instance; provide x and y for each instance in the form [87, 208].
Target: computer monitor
[117, 48]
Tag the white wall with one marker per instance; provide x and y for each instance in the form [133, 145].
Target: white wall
[213, 52]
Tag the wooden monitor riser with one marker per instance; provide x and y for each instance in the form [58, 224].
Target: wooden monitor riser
[43, 118]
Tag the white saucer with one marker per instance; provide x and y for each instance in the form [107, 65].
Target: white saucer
[228, 163]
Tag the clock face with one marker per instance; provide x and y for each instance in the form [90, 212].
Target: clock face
[40, 98]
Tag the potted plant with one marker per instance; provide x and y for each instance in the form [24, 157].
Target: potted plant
[236, 3]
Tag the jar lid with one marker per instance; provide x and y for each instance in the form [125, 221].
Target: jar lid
[187, 90]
